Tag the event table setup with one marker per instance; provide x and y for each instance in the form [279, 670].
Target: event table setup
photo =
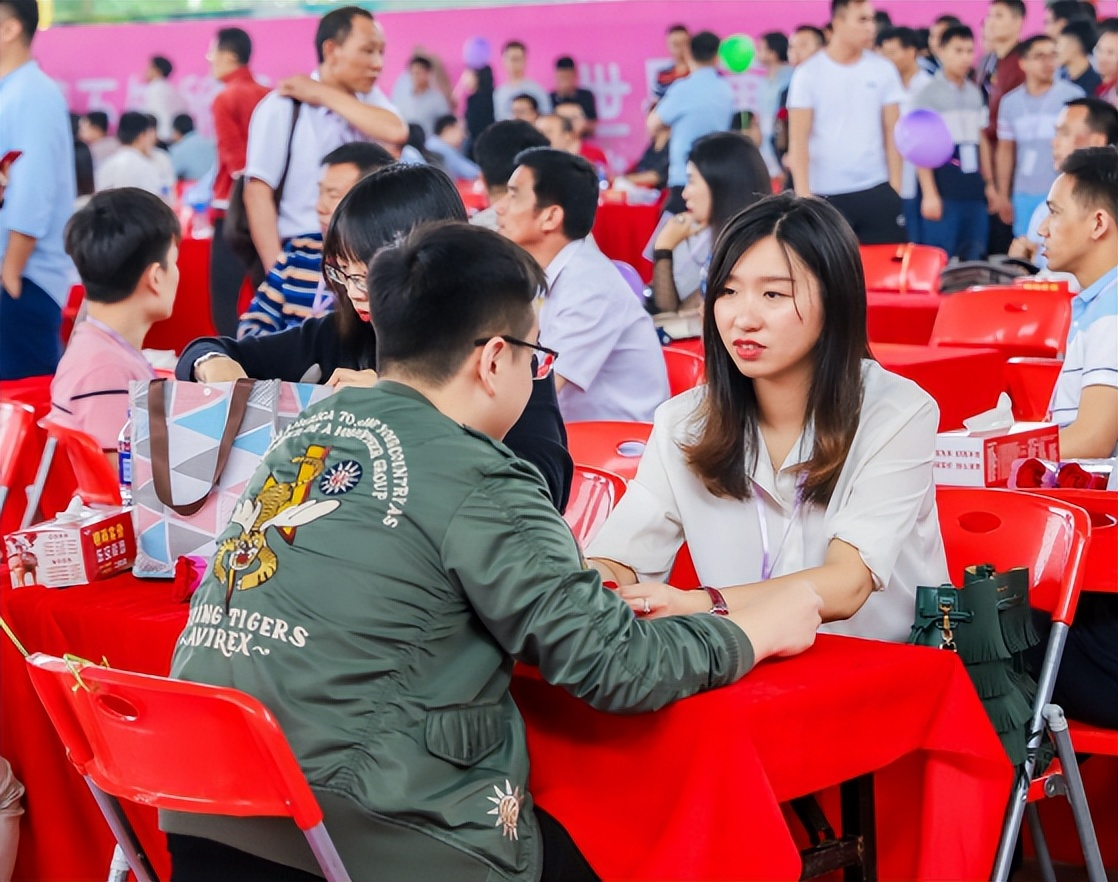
[690, 792]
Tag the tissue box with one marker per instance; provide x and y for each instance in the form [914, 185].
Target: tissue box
[73, 549]
[983, 460]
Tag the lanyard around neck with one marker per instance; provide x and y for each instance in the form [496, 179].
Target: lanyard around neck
[769, 558]
[105, 329]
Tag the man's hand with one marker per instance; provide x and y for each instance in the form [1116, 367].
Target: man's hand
[931, 207]
[343, 377]
[13, 284]
[219, 370]
[1005, 211]
[302, 88]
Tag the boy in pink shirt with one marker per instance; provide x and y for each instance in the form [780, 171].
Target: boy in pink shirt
[124, 244]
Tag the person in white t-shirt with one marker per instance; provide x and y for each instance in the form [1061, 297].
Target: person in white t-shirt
[340, 103]
[899, 46]
[800, 460]
[138, 162]
[842, 105]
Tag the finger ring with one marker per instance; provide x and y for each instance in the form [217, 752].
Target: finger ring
[647, 608]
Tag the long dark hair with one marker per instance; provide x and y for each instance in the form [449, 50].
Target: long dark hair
[381, 208]
[725, 452]
[734, 171]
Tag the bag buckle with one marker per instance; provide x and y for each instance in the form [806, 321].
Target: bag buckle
[948, 641]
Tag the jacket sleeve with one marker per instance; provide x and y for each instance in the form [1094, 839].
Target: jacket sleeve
[539, 437]
[520, 569]
[283, 356]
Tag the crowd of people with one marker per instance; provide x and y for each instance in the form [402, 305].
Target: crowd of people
[799, 475]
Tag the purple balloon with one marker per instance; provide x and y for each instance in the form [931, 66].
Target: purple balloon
[631, 277]
[923, 138]
[476, 52]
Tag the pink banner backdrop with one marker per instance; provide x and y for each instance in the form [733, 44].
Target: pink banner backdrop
[618, 45]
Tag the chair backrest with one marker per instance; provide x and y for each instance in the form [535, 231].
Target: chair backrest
[594, 493]
[903, 269]
[98, 483]
[686, 370]
[171, 744]
[1100, 573]
[616, 446]
[30, 390]
[17, 421]
[1017, 320]
[1008, 528]
[1030, 382]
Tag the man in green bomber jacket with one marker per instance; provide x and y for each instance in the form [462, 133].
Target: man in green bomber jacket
[389, 562]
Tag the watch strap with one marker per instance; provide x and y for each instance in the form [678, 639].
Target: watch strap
[719, 607]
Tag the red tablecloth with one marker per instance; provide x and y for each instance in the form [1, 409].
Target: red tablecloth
[963, 381]
[689, 792]
[622, 231]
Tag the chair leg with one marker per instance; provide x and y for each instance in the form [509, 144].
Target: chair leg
[125, 836]
[859, 820]
[326, 854]
[35, 491]
[1040, 844]
[1088, 840]
[1011, 827]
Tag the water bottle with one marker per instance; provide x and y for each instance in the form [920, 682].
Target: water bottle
[200, 221]
[124, 460]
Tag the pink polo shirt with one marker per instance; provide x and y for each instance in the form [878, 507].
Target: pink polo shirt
[90, 388]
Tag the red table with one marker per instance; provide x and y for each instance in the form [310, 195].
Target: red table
[622, 232]
[690, 792]
[963, 381]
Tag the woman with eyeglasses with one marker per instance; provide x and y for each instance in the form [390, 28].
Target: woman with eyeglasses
[801, 460]
[340, 348]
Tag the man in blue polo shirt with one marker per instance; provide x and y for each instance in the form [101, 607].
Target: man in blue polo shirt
[692, 107]
[35, 273]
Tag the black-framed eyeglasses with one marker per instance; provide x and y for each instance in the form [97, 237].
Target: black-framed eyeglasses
[343, 280]
[542, 361]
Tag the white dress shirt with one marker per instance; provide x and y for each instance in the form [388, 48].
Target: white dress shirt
[883, 505]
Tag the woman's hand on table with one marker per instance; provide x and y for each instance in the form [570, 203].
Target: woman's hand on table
[343, 377]
[682, 226]
[654, 600]
[220, 369]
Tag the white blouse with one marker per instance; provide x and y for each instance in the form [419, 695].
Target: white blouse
[883, 505]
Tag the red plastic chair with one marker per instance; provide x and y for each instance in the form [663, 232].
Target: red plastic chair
[686, 369]
[175, 745]
[616, 446]
[1017, 320]
[594, 493]
[17, 422]
[97, 481]
[30, 390]
[1030, 382]
[1009, 529]
[903, 269]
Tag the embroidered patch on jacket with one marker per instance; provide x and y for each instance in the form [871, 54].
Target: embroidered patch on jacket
[507, 808]
[340, 478]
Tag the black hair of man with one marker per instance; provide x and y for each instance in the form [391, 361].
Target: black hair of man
[367, 156]
[1026, 45]
[947, 19]
[183, 124]
[704, 47]
[26, 12]
[678, 29]
[1088, 10]
[1095, 170]
[1016, 7]
[1102, 117]
[1083, 32]
[236, 41]
[1108, 26]
[116, 237]
[563, 179]
[1064, 10]
[498, 146]
[83, 169]
[564, 62]
[838, 6]
[133, 124]
[905, 36]
[820, 37]
[955, 32]
[514, 44]
[336, 25]
[882, 20]
[531, 99]
[163, 65]
[442, 288]
[98, 119]
[422, 62]
[444, 122]
[777, 43]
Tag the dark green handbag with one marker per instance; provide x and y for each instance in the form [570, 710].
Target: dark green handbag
[989, 624]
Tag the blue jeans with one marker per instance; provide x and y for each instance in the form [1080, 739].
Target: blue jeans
[913, 220]
[962, 231]
[30, 333]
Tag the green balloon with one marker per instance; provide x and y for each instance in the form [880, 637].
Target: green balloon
[737, 52]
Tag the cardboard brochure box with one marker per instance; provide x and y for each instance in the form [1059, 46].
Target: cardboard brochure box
[967, 459]
[79, 546]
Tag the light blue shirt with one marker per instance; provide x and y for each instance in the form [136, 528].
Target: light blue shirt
[694, 106]
[41, 188]
[192, 156]
[457, 165]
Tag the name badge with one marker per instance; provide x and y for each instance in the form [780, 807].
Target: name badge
[968, 158]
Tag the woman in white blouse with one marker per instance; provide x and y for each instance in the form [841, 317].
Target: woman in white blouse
[800, 460]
